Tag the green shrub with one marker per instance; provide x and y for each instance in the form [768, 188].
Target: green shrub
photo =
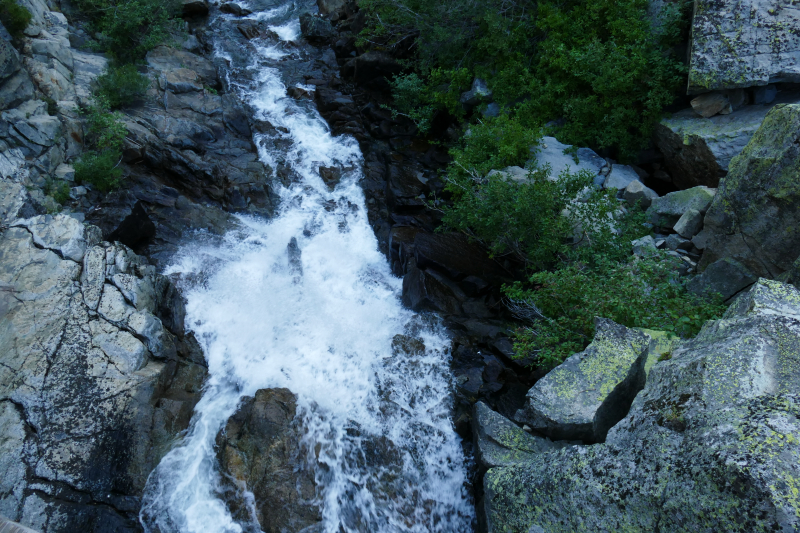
[105, 135]
[120, 86]
[128, 29]
[100, 169]
[644, 292]
[14, 17]
[58, 190]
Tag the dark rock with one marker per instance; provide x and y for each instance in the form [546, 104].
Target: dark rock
[135, 229]
[455, 255]
[375, 64]
[195, 8]
[755, 215]
[233, 8]
[316, 29]
[331, 8]
[250, 29]
[427, 289]
[727, 277]
[260, 450]
[9, 60]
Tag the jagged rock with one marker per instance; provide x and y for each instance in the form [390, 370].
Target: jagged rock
[260, 449]
[689, 224]
[87, 67]
[455, 255]
[710, 444]
[668, 209]
[727, 277]
[316, 28]
[587, 394]
[551, 152]
[16, 90]
[234, 9]
[9, 60]
[698, 151]
[710, 104]
[500, 442]
[644, 245]
[328, 7]
[743, 44]
[636, 191]
[755, 216]
[183, 80]
[87, 405]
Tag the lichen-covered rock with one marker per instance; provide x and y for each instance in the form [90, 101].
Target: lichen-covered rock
[755, 216]
[711, 444]
[259, 449]
[587, 394]
[88, 403]
[500, 442]
[743, 44]
[668, 209]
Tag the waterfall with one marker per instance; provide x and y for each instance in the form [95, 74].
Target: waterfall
[306, 301]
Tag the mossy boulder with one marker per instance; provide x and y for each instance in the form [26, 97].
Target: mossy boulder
[668, 210]
[755, 215]
[587, 394]
[711, 444]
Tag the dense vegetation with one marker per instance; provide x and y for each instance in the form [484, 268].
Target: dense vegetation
[105, 134]
[595, 73]
[14, 17]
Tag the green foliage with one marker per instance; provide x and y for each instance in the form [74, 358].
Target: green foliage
[600, 65]
[105, 134]
[122, 85]
[644, 292]
[52, 106]
[14, 17]
[128, 29]
[57, 189]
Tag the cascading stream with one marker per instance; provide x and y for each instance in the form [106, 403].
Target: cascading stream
[307, 302]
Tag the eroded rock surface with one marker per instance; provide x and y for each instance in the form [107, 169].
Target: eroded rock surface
[96, 376]
[711, 443]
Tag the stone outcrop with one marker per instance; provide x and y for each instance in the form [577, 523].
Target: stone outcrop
[96, 376]
[743, 44]
[258, 451]
[587, 394]
[710, 444]
[670, 209]
[698, 151]
[755, 216]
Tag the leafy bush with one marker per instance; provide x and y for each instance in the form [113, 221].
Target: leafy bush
[14, 17]
[122, 85]
[58, 190]
[644, 292]
[128, 29]
[105, 134]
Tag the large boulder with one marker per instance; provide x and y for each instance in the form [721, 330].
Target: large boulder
[97, 378]
[258, 449]
[551, 153]
[743, 44]
[755, 215]
[587, 394]
[698, 151]
[667, 210]
[710, 444]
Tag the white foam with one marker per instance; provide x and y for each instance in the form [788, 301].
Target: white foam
[327, 336]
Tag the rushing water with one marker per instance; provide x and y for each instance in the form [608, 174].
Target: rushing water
[322, 327]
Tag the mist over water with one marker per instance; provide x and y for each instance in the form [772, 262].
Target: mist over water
[323, 327]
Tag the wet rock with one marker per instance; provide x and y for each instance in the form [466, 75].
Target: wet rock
[698, 151]
[500, 442]
[195, 8]
[135, 229]
[88, 404]
[742, 45]
[591, 391]
[316, 28]
[755, 216]
[374, 64]
[234, 9]
[710, 104]
[726, 277]
[259, 449]
[708, 445]
[668, 209]
[428, 289]
[455, 255]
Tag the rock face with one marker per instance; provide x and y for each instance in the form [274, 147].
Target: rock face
[257, 449]
[710, 444]
[743, 44]
[698, 151]
[591, 391]
[755, 216]
[96, 376]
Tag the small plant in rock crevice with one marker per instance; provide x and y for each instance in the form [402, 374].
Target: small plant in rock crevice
[104, 135]
[15, 18]
[121, 85]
